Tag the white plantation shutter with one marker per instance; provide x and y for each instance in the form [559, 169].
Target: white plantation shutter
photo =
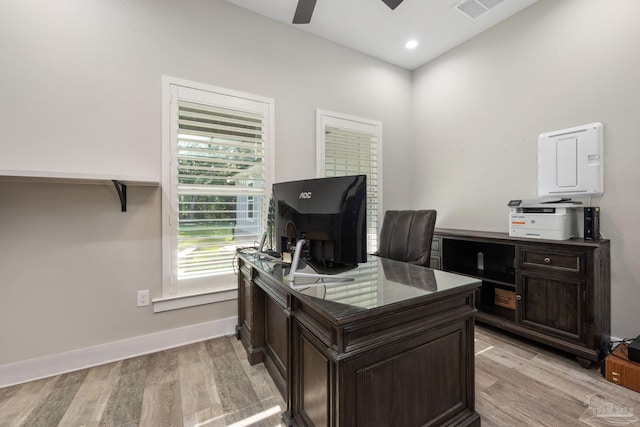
[351, 146]
[219, 180]
[220, 166]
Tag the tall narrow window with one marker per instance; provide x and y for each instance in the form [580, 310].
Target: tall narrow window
[349, 145]
[216, 177]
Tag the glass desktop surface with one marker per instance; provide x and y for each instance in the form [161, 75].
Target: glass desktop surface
[377, 283]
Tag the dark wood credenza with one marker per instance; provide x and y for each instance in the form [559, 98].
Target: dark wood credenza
[392, 347]
[556, 292]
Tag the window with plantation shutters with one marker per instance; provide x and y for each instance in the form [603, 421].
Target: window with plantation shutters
[216, 178]
[349, 145]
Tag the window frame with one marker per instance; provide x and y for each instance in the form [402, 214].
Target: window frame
[173, 295]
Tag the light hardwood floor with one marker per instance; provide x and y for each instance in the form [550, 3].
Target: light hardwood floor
[210, 384]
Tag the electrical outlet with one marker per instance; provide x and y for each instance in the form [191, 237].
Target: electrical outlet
[143, 298]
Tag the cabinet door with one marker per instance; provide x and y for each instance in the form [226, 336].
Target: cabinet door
[275, 343]
[552, 305]
[311, 380]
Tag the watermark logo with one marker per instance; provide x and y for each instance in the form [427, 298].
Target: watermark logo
[603, 412]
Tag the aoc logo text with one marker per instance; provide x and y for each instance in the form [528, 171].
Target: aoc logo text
[305, 195]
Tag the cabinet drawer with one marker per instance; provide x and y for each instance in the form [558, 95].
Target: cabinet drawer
[573, 262]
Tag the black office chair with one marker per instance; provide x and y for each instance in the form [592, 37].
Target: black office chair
[406, 236]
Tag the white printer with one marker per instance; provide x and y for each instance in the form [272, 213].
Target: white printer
[553, 219]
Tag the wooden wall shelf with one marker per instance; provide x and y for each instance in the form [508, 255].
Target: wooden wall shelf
[120, 182]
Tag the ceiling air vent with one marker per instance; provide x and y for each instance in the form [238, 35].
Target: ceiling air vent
[475, 8]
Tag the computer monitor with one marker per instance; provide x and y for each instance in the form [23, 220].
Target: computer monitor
[325, 218]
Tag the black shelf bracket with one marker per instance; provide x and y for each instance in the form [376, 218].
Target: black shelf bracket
[121, 189]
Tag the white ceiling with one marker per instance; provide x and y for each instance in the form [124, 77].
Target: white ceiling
[369, 26]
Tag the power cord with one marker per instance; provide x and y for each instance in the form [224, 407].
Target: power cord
[614, 344]
[256, 247]
[234, 261]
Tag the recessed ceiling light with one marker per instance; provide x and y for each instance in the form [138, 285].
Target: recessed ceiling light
[411, 44]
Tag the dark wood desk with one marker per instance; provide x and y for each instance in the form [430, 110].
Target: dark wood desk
[392, 347]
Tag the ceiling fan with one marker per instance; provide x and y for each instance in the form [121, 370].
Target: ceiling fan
[305, 9]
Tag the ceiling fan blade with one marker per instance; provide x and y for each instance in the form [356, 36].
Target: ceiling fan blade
[392, 3]
[304, 11]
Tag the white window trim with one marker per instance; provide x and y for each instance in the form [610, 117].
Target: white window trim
[326, 118]
[172, 298]
[192, 300]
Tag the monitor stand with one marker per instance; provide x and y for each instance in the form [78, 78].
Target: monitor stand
[294, 266]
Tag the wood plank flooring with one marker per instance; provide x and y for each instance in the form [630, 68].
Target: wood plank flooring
[211, 384]
[519, 383]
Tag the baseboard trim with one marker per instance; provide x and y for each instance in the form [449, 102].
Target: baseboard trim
[47, 366]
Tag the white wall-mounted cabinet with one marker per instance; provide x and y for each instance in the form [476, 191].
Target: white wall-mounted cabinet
[570, 162]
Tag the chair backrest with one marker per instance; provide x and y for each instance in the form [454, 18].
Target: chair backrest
[406, 236]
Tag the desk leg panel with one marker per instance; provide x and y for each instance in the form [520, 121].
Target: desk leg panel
[425, 380]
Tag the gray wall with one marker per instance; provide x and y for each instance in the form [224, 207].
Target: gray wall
[478, 110]
[81, 92]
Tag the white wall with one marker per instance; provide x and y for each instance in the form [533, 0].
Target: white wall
[478, 110]
[81, 91]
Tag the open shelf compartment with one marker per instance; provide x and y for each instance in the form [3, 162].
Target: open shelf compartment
[492, 262]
